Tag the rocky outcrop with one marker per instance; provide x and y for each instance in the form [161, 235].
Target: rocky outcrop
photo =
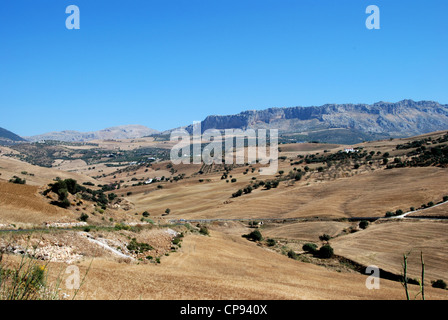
[379, 120]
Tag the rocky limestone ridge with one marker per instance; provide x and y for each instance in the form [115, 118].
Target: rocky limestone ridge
[334, 122]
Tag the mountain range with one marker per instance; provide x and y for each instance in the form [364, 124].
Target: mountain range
[119, 132]
[332, 123]
[340, 123]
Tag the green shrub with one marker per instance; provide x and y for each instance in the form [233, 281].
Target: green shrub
[176, 240]
[237, 194]
[254, 235]
[138, 247]
[439, 284]
[310, 247]
[270, 242]
[17, 180]
[83, 217]
[326, 252]
[389, 214]
[324, 237]
[63, 204]
[292, 255]
[364, 224]
[121, 226]
[204, 231]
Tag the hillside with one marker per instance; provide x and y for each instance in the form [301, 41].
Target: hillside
[119, 132]
[340, 123]
[320, 190]
[8, 137]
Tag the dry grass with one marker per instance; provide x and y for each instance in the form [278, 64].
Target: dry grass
[439, 211]
[307, 231]
[230, 267]
[23, 204]
[370, 194]
[42, 176]
[383, 244]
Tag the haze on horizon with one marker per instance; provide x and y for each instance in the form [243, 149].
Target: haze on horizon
[164, 65]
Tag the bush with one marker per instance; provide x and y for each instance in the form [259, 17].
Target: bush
[439, 284]
[364, 224]
[204, 231]
[237, 194]
[63, 204]
[83, 217]
[138, 247]
[326, 252]
[145, 214]
[17, 180]
[324, 237]
[233, 180]
[254, 235]
[26, 280]
[310, 247]
[270, 242]
[292, 255]
[389, 214]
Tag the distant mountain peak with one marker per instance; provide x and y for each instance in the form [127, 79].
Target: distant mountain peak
[118, 132]
[7, 137]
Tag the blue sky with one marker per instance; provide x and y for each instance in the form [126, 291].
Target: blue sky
[165, 63]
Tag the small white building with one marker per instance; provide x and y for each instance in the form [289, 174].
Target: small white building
[148, 181]
[347, 150]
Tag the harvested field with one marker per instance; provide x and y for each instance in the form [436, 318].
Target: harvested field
[230, 267]
[383, 244]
